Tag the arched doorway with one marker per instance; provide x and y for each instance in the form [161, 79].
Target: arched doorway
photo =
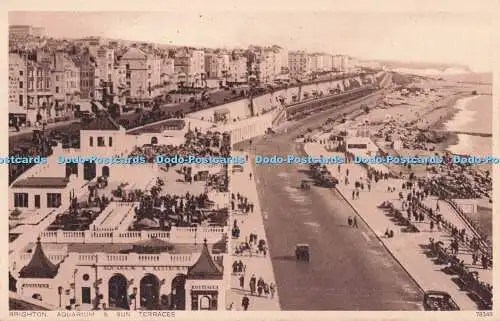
[205, 303]
[89, 171]
[150, 291]
[154, 140]
[179, 292]
[117, 292]
[105, 171]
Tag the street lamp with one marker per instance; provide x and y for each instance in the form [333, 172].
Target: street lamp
[59, 291]
[135, 297]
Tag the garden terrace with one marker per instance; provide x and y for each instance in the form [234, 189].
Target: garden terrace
[197, 144]
[163, 212]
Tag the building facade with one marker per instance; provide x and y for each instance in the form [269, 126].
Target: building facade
[87, 68]
[65, 82]
[217, 65]
[299, 63]
[190, 67]
[237, 69]
[132, 281]
[142, 73]
[17, 82]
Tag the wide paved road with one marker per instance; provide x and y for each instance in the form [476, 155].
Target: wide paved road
[349, 269]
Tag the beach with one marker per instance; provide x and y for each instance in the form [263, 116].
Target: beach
[451, 108]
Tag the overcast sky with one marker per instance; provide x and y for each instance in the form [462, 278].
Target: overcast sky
[430, 36]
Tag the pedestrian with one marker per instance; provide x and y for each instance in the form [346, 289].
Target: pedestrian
[349, 221]
[242, 282]
[357, 193]
[272, 289]
[431, 225]
[260, 288]
[245, 302]
[250, 176]
[253, 282]
[353, 194]
[354, 222]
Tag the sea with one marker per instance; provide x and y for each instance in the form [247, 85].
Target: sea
[475, 114]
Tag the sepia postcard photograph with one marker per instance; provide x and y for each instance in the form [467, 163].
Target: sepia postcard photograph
[245, 160]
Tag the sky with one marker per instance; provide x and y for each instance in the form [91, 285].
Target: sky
[445, 36]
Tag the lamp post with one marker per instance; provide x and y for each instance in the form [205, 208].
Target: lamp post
[59, 291]
[135, 297]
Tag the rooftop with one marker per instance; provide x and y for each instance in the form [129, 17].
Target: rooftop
[42, 182]
[205, 267]
[40, 266]
[102, 122]
[134, 54]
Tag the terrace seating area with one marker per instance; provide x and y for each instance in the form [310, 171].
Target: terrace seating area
[163, 212]
[197, 144]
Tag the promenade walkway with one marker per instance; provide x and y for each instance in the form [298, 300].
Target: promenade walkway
[407, 248]
[255, 264]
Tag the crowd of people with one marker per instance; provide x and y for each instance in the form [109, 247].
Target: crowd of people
[197, 143]
[252, 245]
[259, 288]
[241, 203]
[156, 211]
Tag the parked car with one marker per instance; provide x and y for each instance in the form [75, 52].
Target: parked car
[439, 301]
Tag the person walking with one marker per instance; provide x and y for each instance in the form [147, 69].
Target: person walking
[354, 222]
[253, 282]
[272, 289]
[245, 302]
[250, 176]
[431, 226]
[242, 282]
[349, 221]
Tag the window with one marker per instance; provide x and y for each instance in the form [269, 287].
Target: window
[20, 199]
[57, 89]
[91, 141]
[57, 78]
[30, 84]
[110, 141]
[20, 72]
[100, 142]
[21, 84]
[53, 200]
[37, 201]
[86, 297]
[21, 100]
